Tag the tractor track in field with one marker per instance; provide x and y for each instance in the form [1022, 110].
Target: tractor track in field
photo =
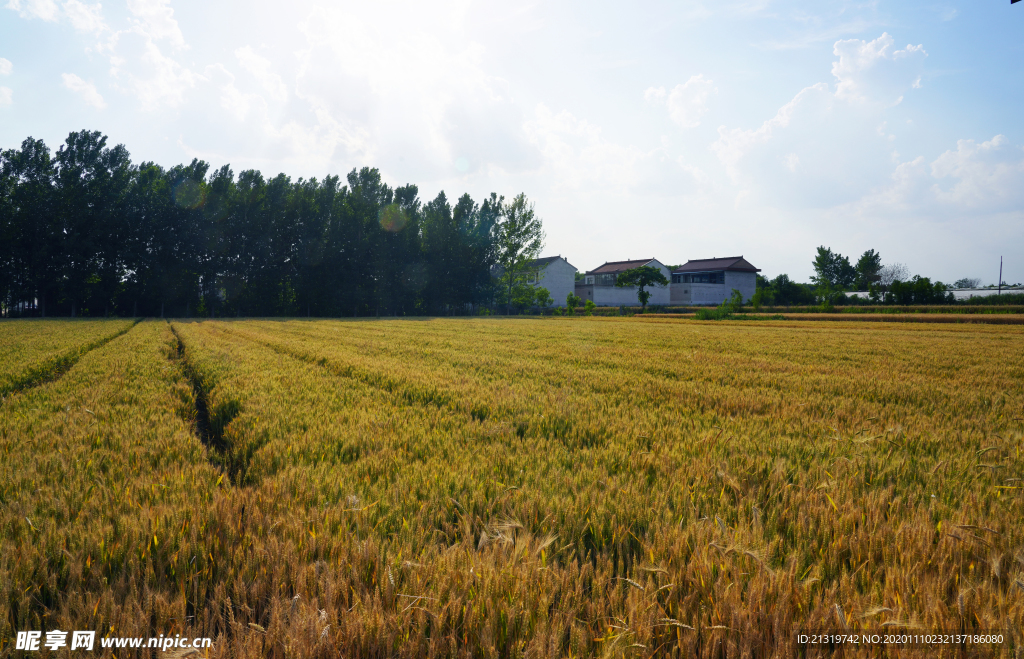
[211, 434]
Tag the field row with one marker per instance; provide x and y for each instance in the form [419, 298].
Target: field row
[560, 487]
[32, 352]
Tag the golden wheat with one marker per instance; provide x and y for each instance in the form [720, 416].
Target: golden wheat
[557, 487]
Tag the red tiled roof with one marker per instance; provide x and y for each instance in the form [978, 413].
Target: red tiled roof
[734, 263]
[614, 267]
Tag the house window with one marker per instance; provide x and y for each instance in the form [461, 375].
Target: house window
[590, 279]
[716, 277]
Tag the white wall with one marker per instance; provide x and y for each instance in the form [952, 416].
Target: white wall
[613, 296]
[744, 282]
[559, 278]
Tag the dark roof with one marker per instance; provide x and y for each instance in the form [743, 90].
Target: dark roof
[734, 263]
[546, 260]
[614, 267]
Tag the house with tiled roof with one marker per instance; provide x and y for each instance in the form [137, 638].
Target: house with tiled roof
[554, 273]
[599, 284]
[711, 281]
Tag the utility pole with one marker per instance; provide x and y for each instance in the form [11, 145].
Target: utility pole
[1001, 258]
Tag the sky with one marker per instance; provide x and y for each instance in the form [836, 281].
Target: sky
[675, 130]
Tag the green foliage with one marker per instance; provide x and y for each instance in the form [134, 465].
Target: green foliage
[588, 308]
[524, 297]
[967, 282]
[84, 231]
[519, 237]
[542, 297]
[783, 291]
[709, 313]
[868, 267]
[734, 303]
[641, 277]
[919, 290]
[833, 270]
[764, 295]
[572, 301]
[725, 310]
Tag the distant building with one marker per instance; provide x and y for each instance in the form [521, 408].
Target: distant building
[554, 273]
[711, 281]
[599, 285]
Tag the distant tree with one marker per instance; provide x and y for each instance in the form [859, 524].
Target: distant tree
[588, 308]
[892, 273]
[784, 291]
[572, 301]
[542, 297]
[764, 294]
[967, 282]
[832, 270]
[84, 231]
[519, 237]
[868, 266]
[641, 277]
[735, 302]
[919, 290]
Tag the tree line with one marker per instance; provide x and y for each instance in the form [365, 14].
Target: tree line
[84, 231]
[835, 275]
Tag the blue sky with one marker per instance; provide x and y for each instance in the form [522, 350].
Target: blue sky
[676, 130]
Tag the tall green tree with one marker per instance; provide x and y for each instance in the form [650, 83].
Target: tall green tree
[641, 277]
[85, 231]
[519, 237]
[832, 270]
[868, 267]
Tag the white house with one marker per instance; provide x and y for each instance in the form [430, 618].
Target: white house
[711, 281]
[554, 273]
[599, 285]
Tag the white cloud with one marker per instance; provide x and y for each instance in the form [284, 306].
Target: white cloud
[576, 155]
[86, 90]
[6, 96]
[977, 183]
[687, 102]
[734, 143]
[158, 81]
[83, 17]
[985, 175]
[46, 10]
[155, 19]
[5, 66]
[872, 71]
[408, 88]
[260, 68]
[825, 147]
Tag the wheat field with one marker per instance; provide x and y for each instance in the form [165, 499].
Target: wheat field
[627, 487]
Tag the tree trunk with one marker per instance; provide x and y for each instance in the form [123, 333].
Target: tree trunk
[161, 309]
